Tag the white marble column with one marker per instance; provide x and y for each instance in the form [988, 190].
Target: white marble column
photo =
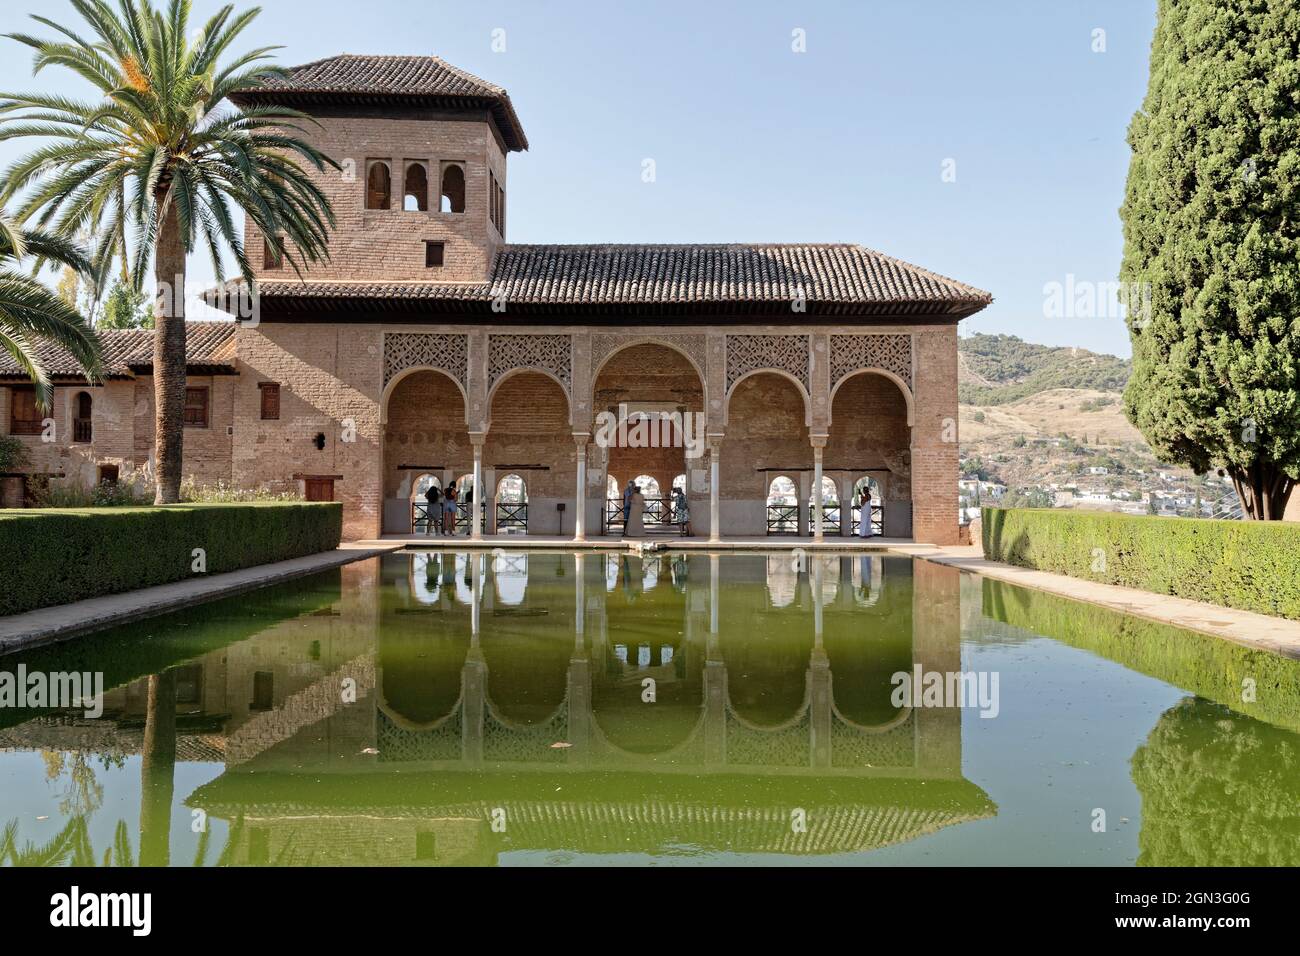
[819, 446]
[580, 499]
[715, 480]
[476, 506]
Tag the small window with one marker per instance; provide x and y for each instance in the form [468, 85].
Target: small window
[433, 252]
[453, 188]
[496, 204]
[196, 407]
[108, 474]
[82, 429]
[271, 258]
[416, 197]
[24, 417]
[379, 186]
[263, 691]
[270, 401]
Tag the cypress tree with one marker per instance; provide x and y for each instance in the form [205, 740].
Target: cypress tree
[1212, 245]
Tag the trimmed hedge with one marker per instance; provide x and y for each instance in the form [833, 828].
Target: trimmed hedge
[50, 557]
[1250, 565]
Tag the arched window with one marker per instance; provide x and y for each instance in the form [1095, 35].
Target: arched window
[830, 494]
[680, 482]
[648, 485]
[877, 511]
[416, 193]
[379, 186]
[82, 430]
[453, 188]
[512, 504]
[421, 521]
[782, 506]
[612, 488]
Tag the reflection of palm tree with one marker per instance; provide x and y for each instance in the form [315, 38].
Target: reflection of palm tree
[157, 770]
[69, 845]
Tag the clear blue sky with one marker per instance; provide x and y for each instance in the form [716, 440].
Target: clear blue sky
[756, 143]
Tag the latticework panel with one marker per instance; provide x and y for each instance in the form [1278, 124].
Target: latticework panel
[549, 353]
[403, 350]
[786, 747]
[853, 353]
[692, 345]
[400, 745]
[753, 353]
[526, 744]
[851, 747]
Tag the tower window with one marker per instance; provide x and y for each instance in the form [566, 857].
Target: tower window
[453, 187]
[416, 196]
[379, 186]
[271, 258]
[496, 204]
[433, 252]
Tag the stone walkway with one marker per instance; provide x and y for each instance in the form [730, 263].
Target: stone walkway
[49, 624]
[1260, 631]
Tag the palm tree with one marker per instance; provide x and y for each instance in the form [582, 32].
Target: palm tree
[161, 163]
[30, 312]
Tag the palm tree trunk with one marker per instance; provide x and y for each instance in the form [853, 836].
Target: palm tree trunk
[157, 770]
[169, 356]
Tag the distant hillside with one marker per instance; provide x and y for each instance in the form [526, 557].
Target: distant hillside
[997, 369]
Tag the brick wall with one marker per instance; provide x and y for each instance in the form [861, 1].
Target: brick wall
[934, 438]
[388, 245]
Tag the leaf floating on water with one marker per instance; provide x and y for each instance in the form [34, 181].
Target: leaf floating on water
[560, 745]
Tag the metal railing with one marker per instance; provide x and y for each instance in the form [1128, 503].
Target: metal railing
[82, 430]
[420, 517]
[660, 514]
[782, 519]
[877, 520]
[512, 516]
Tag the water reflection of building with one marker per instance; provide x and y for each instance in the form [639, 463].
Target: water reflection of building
[517, 686]
[392, 725]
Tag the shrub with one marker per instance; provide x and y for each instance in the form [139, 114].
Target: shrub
[1250, 565]
[59, 556]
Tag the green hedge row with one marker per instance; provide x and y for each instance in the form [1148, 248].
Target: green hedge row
[1251, 565]
[51, 557]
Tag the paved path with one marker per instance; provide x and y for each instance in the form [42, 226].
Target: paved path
[49, 624]
[1260, 631]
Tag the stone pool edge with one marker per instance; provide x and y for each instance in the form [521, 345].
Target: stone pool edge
[49, 625]
[1277, 635]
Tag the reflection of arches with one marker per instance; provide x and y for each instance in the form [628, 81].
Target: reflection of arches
[902, 387]
[510, 578]
[803, 393]
[386, 397]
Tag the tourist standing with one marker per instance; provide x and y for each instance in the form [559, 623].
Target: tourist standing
[628, 492]
[432, 509]
[864, 520]
[449, 510]
[683, 508]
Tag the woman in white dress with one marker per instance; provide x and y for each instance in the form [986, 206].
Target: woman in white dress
[635, 519]
[864, 522]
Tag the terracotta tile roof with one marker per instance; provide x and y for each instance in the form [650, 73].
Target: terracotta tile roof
[350, 77]
[840, 278]
[129, 352]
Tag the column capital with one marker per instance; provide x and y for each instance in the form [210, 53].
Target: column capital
[818, 440]
[581, 439]
[477, 439]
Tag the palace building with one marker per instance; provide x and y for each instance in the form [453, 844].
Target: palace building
[771, 382]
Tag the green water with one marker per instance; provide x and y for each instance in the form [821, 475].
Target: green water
[557, 709]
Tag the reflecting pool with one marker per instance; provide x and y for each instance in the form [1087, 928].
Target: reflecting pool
[443, 708]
